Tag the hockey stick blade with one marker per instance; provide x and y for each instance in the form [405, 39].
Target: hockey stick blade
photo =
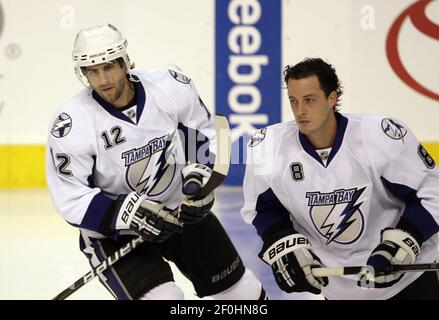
[220, 170]
[356, 270]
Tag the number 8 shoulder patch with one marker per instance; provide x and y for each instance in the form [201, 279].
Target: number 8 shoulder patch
[425, 157]
[296, 169]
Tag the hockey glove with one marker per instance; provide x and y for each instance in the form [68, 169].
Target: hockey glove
[291, 260]
[150, 219]
[396, 247]
[194, 209]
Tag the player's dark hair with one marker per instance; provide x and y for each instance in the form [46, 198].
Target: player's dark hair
[122, 63]
[324, 71]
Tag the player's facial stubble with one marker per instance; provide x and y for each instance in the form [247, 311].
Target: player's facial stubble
[110, 83]
[313, 111]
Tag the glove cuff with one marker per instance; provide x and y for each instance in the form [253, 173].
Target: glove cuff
[403, 239]
[284, 246]
[407, 226]
[127, 210]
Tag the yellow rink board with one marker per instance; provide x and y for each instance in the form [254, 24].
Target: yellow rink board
[22, 166]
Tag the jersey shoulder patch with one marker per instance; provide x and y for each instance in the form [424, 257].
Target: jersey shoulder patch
[258, 137]
[426, 157]
[179, 76]
[61, 126]
[393, 129]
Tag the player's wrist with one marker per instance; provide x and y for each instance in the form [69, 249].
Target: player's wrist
[276, 232]
[410, 228]
[108, 221]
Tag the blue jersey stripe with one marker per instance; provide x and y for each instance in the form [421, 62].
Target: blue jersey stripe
[270, 211]
[414, 212]
[96, 212]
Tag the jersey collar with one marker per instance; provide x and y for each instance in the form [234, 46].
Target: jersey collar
[139, 92]
[342, 123]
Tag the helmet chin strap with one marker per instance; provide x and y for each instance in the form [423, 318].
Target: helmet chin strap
[82, 77]
[128, 68]
[131, 78]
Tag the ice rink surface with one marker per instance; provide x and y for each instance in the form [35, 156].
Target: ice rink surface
[40, 253]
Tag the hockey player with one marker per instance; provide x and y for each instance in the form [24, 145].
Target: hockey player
[338, 190]
[116, 159]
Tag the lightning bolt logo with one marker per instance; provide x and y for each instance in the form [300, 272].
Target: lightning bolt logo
[336, 215]
[152, 167]
[393, 129]
[62, 125]
[152, 174]
[342, 220]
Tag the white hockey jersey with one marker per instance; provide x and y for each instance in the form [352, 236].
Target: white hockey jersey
[96, 152]
[375, 173]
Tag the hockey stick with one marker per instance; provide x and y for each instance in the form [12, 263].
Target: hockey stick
[219, 172]
[222, 161]
[356, 270]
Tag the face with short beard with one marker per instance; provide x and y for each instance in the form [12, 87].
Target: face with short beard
[110, 83]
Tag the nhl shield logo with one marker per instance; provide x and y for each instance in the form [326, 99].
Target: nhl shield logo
[337, 215]
[62, 126]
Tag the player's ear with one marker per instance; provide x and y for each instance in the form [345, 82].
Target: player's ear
[332, 99]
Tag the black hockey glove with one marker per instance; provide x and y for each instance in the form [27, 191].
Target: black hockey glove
[396, 247]
[194, 209]
[150, 219]
[291, 260]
